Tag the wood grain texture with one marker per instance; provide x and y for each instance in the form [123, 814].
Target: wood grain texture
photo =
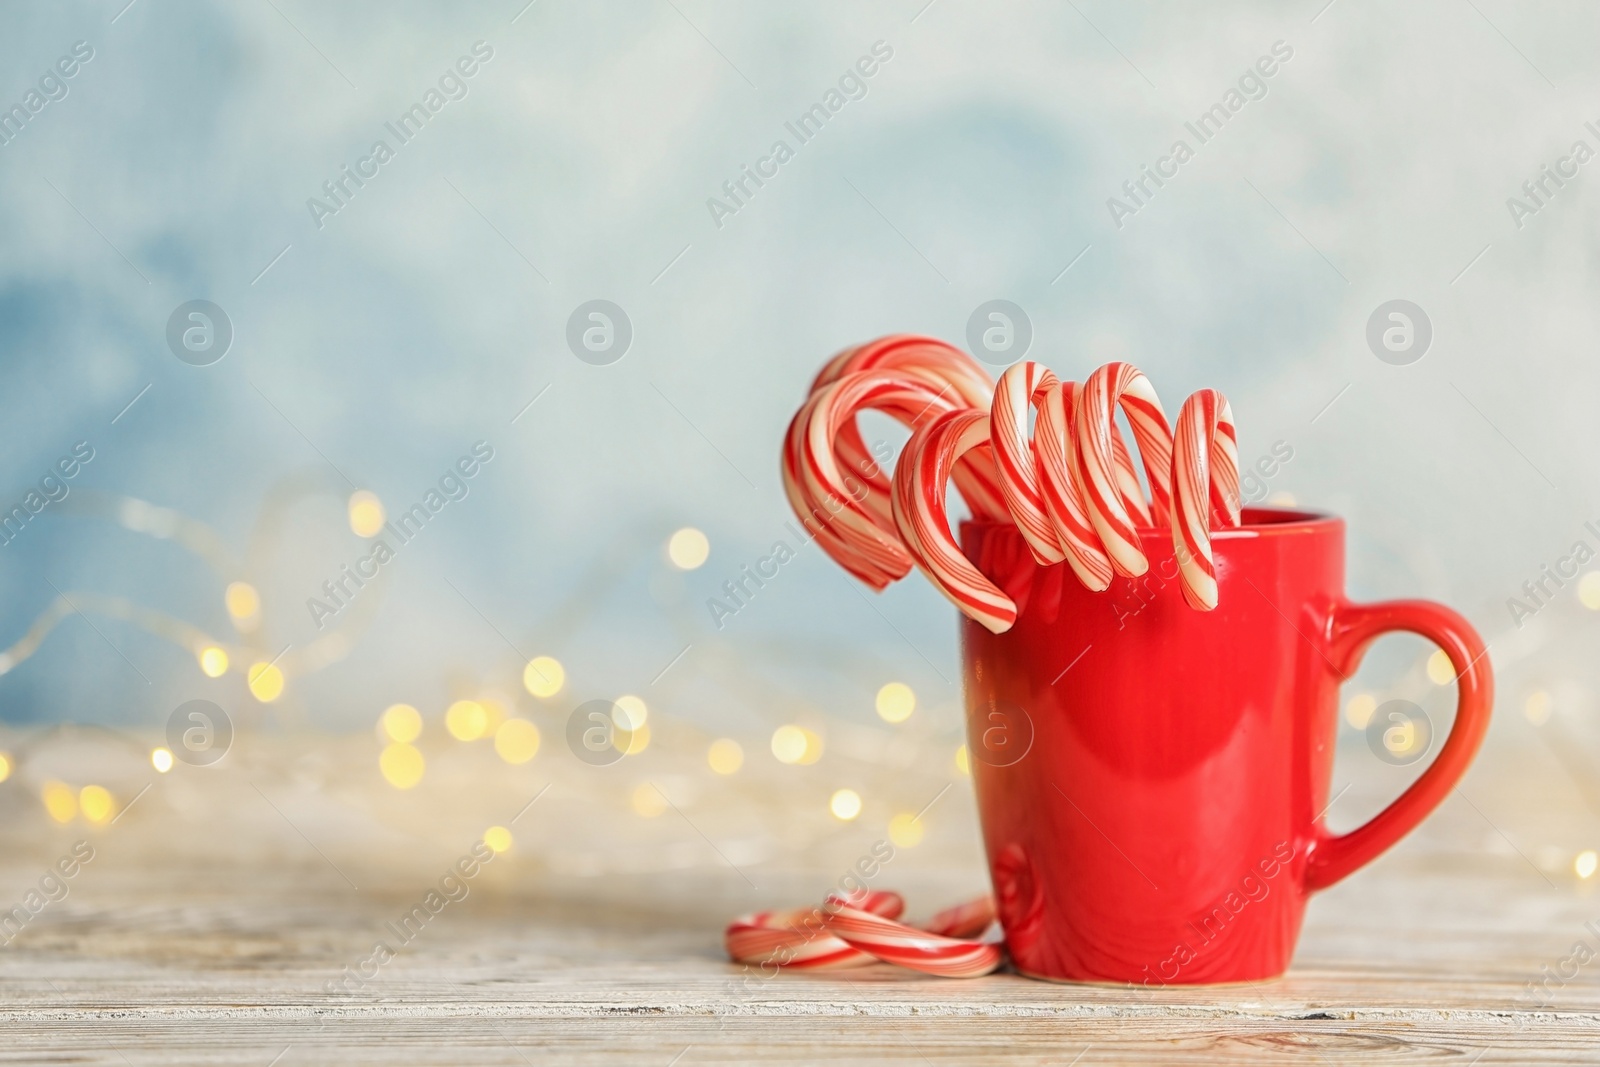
[207, 930]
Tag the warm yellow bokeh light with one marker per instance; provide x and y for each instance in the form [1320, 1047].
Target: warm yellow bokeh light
[1589, 590]
[648, 801]
[1281, 499]
[213, 661]
[631, 742]
[905, 830]
[517, 741]
[401, 722]
[242, 600]
[5, 766]
[963, 761]
[1585, 863]
[96, 804]
[466, 720]
[629, 712]
[59, 800]
[688, 548]
[896, 702]
[544, 676]
[725, 755]
[1537, 707]
[402, 765]
[498, 838]
[1440, 670]
[813, 749]
[266, 682]
[789, 743]
[161, 759]
[845, 804]
[1358, 710]
[366, 513]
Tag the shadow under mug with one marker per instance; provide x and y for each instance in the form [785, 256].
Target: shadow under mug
[1152, 779]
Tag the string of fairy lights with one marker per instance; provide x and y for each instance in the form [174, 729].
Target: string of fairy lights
[493, 718]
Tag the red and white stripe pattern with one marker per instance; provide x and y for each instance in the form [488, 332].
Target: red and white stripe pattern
[1205, 483]
[862, 930]
[919, 514]
[1116, 504]
[1025, 385]
[1071, 486]
[830, 476]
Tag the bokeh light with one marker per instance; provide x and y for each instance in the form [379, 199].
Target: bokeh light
[725, 755]
[1585, 863]
[1358, 710]
[366, 513]
[630, 742]
[845, 804]
[96, 803]
[629, 712]
[789, 743]
[896, 702]
[213, 661]
[466, 720]
[1537, 707]
[161, 759]
[648, 801]
[242, 600]
[1589, 590]
[516, 741]
[59, 800]
[401, 722]
[498, 838]
[544, 676]
[401, 764]
[5, 766]
[963, 761]
[1440, 670]
[266, 682]
[688, 548]
[905, 830]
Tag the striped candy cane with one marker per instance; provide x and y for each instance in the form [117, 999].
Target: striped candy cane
[1023, 386]
[919, 514]
[862, 930]
[1205, 482]
[1116, 507]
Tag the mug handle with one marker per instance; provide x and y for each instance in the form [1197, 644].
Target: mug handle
[1353, 627]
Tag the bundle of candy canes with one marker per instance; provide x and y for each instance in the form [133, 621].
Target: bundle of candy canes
[1072, 491]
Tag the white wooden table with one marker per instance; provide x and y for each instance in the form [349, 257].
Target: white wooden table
[216, 912]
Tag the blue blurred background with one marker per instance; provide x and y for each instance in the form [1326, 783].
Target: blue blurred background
[373, 350]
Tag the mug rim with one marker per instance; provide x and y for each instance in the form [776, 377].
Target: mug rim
[1257, 520]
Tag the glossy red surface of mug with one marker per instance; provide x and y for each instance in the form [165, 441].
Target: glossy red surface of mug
[1151, 779]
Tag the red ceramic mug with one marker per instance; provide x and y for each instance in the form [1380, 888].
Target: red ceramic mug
[1151, 779]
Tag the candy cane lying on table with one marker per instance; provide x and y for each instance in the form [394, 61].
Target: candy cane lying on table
[861, 930]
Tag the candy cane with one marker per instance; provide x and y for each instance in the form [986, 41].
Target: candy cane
[919, 514]
[1205, 477]
[861, 930]
[1115, 507]
[1071, 486]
